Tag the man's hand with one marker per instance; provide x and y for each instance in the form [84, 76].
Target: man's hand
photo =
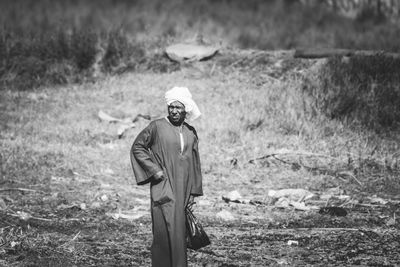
[158, 176]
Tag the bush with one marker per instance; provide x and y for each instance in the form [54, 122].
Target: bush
[361, 89]
[121, 52]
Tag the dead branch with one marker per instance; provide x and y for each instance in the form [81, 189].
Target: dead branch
[20, 216]
[69, 241]
[338, 174]
[326, 229]
[344, 173]
[20, 189]
[302, 153]
[323, 53]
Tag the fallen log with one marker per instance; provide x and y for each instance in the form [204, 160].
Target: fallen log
[331, 52]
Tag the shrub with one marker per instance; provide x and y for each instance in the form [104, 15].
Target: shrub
[120, 52]
[360, 89]
[84, 48]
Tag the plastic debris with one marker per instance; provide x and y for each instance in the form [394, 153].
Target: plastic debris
[105, 117]
[225, 215]
[233, 196]
[3, 204]
[293, 243]
[124, 127]
[300, 206]
[125, 123]
[104, 198]
[130, 215]
[377, 200]
[292, 194]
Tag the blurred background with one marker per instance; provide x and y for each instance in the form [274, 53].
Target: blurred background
[55, 42]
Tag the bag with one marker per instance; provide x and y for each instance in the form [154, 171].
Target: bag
[196, 236]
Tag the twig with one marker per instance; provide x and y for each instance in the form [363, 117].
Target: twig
[338, 174]
[30, 217]
[75, 237]
[20, 189]
[304, 153]
[351, 175]
[325, 229]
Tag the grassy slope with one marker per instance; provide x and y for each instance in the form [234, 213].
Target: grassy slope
[245, 116]
[52, 141]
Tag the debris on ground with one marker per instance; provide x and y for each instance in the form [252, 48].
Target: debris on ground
[225, 215]
[296, 198]
[129, 215]
[298, 194]
[333, 211]
[125, 123]
[190, 52]
[235, 197]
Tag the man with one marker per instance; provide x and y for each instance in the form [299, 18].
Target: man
[165, 154]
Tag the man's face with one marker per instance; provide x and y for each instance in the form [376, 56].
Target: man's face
[176, 112]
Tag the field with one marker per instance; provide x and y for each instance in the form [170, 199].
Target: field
[68, 195]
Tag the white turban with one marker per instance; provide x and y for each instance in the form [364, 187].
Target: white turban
[183, 95]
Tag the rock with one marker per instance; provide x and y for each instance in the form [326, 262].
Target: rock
[292, 194]
[190, 52]
[233, 196]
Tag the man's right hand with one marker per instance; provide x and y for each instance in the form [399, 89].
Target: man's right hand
[158, 176]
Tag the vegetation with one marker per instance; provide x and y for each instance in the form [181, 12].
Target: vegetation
[65, 175]
[360, 90]
[56, 42]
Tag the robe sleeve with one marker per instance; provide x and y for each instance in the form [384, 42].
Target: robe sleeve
[142, 161]
[197, 188]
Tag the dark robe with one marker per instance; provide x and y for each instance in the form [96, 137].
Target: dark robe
[156, 148]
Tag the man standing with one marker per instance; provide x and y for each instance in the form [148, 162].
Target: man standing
[165, 154]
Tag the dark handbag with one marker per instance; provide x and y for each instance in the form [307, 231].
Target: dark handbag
[196, 236]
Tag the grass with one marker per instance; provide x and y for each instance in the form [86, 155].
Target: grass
[63, 45]
[53, 143]
[361, 90]
[254, 104]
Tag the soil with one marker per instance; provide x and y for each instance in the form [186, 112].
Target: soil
[261, 235]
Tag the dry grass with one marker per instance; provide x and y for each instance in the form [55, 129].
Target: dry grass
[54, 144]
[243, 119]
[360, 90]
[77, 169]
[62, 42]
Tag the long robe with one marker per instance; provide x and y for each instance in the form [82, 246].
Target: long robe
[156, 148]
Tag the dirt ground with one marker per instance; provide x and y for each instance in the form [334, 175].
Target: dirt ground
[259, 236]
[59, 212]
